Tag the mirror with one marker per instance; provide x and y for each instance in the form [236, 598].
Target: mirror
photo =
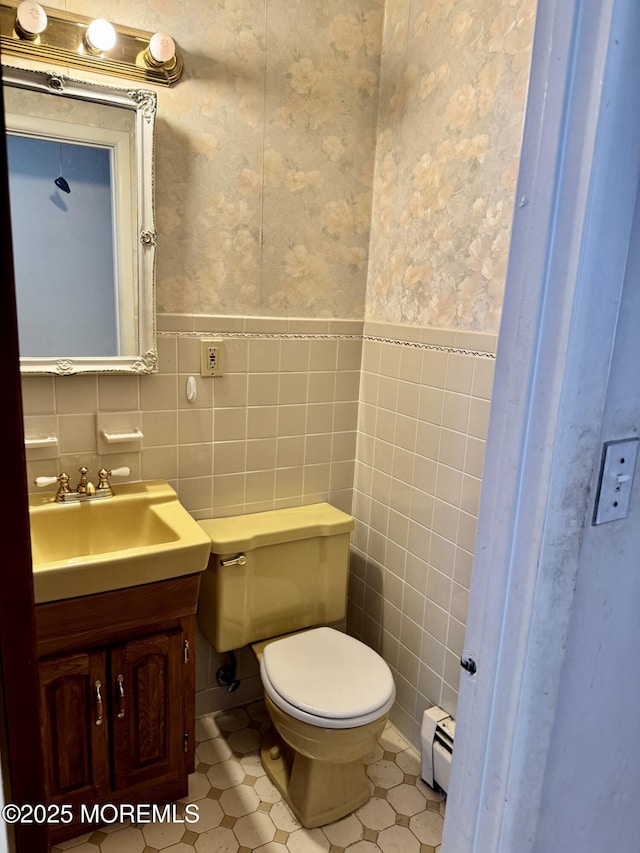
[81, 194]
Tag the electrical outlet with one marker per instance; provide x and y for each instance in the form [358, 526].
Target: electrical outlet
[210, 357]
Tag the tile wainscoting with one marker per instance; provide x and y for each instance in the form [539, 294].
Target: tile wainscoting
[423, 416]
[385, 421]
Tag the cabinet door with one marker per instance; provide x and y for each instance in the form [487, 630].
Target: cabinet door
[147, 715]
[73, 695]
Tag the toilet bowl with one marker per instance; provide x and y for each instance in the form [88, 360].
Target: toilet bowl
[328, 696]
[272, 579]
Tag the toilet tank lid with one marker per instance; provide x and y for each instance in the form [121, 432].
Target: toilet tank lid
[255, 530]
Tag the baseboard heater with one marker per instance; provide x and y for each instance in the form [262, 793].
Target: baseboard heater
[438, 730]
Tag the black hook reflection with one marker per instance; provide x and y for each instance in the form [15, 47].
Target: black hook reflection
[57, 199]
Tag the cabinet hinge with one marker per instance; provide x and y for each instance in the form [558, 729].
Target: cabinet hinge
[185, 742]
[185, 651]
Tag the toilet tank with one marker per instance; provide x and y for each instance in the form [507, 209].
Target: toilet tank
[274, 572]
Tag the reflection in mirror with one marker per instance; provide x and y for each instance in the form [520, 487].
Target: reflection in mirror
[81, 194]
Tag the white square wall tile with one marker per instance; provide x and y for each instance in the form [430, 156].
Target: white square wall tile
[479, 417]
[158, 393]
[230, 390]
[294, 355]
[323, 354]
[195, 460]
[38, 394]
[483, 376]
[439, 587]
[390, 360]
[411, 364]
[455, 635]
[264, 355]
[455, 411]
[460, 373]
[408, 402]
[349, 354]
[436, 621]
[262, 389]
[442, 554]
[413, 604]
[195, 493]
[293, 388]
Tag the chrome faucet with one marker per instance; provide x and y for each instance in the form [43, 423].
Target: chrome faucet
[85, 489]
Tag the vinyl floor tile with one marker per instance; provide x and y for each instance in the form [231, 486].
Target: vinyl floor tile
[240, 810]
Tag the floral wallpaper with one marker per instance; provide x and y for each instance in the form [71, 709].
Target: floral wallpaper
[452, 97]
[265, 153]
[268, 146]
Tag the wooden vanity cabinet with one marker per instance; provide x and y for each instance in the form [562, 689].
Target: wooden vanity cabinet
[74, 737]
[117, 694]
[149, 735]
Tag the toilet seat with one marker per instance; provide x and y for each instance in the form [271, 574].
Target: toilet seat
[327, 679]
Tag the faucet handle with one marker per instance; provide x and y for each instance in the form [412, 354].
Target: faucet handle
[62, 479]
[124, 471]
[63, 484]
[104, 474]
[41, 482]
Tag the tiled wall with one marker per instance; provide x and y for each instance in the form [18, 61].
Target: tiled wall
[452, 92]
[280, 428]
[277, 429]
[424, 408]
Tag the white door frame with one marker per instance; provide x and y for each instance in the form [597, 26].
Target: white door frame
[575, 200]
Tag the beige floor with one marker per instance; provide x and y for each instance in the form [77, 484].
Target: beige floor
[240, 810]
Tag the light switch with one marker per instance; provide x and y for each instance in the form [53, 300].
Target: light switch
[616, 479]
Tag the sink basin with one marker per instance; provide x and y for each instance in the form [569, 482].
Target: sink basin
[140, 535]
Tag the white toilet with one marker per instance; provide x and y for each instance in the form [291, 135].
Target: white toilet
[278, 580]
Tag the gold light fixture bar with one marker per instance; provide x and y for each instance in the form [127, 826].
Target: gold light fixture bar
[64, 42]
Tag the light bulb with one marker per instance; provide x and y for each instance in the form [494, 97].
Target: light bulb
[162, 48]
[100, 36]
[31, 19]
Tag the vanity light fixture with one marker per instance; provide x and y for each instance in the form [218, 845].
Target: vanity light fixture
[161, 50]
[31, 20]
[36, 32]
[160, 53]
[100, 36]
